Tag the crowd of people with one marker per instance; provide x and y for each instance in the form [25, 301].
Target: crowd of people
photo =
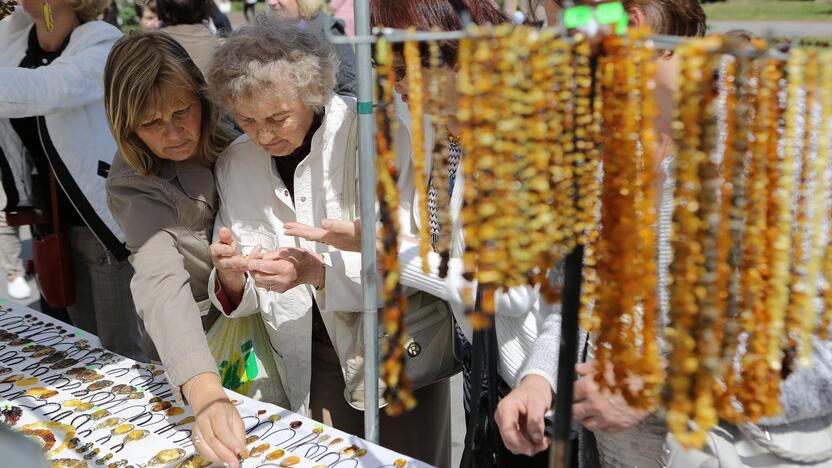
[201, 173]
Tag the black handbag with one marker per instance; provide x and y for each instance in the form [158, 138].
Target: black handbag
[482, 442]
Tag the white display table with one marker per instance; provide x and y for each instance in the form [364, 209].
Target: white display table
[84, 403]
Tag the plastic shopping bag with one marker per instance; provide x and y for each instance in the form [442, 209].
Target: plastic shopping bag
[244, 356]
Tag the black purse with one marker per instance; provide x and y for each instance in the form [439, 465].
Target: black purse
[482, 442]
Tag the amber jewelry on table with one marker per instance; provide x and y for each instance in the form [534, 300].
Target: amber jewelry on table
[397, 393]
[46, 431]
[824, 154]
[800, 316]
[416, 104]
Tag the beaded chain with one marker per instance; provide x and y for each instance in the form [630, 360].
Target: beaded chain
[6, 8]
[416, 104]
[683, 395]
[824, 155]
[800, 316]
[397, 393]
[737, 82]
[782, 191]
[437, 81]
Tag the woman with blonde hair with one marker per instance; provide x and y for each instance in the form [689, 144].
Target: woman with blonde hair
[311, 15]
[52, 114]
[161, 191]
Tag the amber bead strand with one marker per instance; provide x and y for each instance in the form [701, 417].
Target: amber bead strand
[416, 104]
[397, 393]
[800, 314]
[824, 154]
[437, 82]
[687, 252]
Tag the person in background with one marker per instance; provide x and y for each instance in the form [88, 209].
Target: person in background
[52, 116]
[344, 10]
[161, 191]
[146, 13]
[187, 21]
[249, 5]
[309, 14]
[16, 285]
[277, 81]
[111, 14]
[219, 20]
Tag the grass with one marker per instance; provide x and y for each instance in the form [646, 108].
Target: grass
[774, 10]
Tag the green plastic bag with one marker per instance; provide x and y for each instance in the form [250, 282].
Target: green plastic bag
[245, 360]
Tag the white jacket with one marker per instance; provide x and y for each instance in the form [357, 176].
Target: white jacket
[254, 204]
[521, 315]
[69, 95]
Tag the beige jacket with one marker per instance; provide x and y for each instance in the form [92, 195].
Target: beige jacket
[167, 221]
[254, 204]
[197, 40]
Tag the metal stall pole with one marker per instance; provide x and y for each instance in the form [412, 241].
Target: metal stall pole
[367, 188]
[561, 450]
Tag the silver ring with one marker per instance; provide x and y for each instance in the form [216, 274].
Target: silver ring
[196, 439]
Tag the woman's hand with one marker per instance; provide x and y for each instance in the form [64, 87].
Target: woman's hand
[520, 416]
[343, 235]
[218, 433]
[285, 268]
[231, 266]
[601, 411]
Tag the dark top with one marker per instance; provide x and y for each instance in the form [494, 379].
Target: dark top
[286, 166]
[27, 130]
[345, 78]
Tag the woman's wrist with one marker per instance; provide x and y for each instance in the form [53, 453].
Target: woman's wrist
[316, 270]
[201, 390]
[233, 283]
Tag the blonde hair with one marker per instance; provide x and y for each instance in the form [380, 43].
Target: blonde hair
[310, 8]
[140, 65]
[270, 51]
[88, 10]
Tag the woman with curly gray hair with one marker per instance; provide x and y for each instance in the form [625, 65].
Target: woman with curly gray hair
[296, 164]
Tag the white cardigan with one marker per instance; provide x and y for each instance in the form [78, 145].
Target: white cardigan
[69, 93]
[254, 204]
[521, 316]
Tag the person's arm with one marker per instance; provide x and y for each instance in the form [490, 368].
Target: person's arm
[520, 414]
[164, 301]
[230, 288]
[161, 285]
[68, 82]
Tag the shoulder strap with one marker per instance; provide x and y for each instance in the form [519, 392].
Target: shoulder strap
[349, 202]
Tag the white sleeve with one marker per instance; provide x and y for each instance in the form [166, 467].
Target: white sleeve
[68, 82]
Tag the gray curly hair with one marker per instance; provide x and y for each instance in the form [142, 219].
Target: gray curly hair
[270, 51]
